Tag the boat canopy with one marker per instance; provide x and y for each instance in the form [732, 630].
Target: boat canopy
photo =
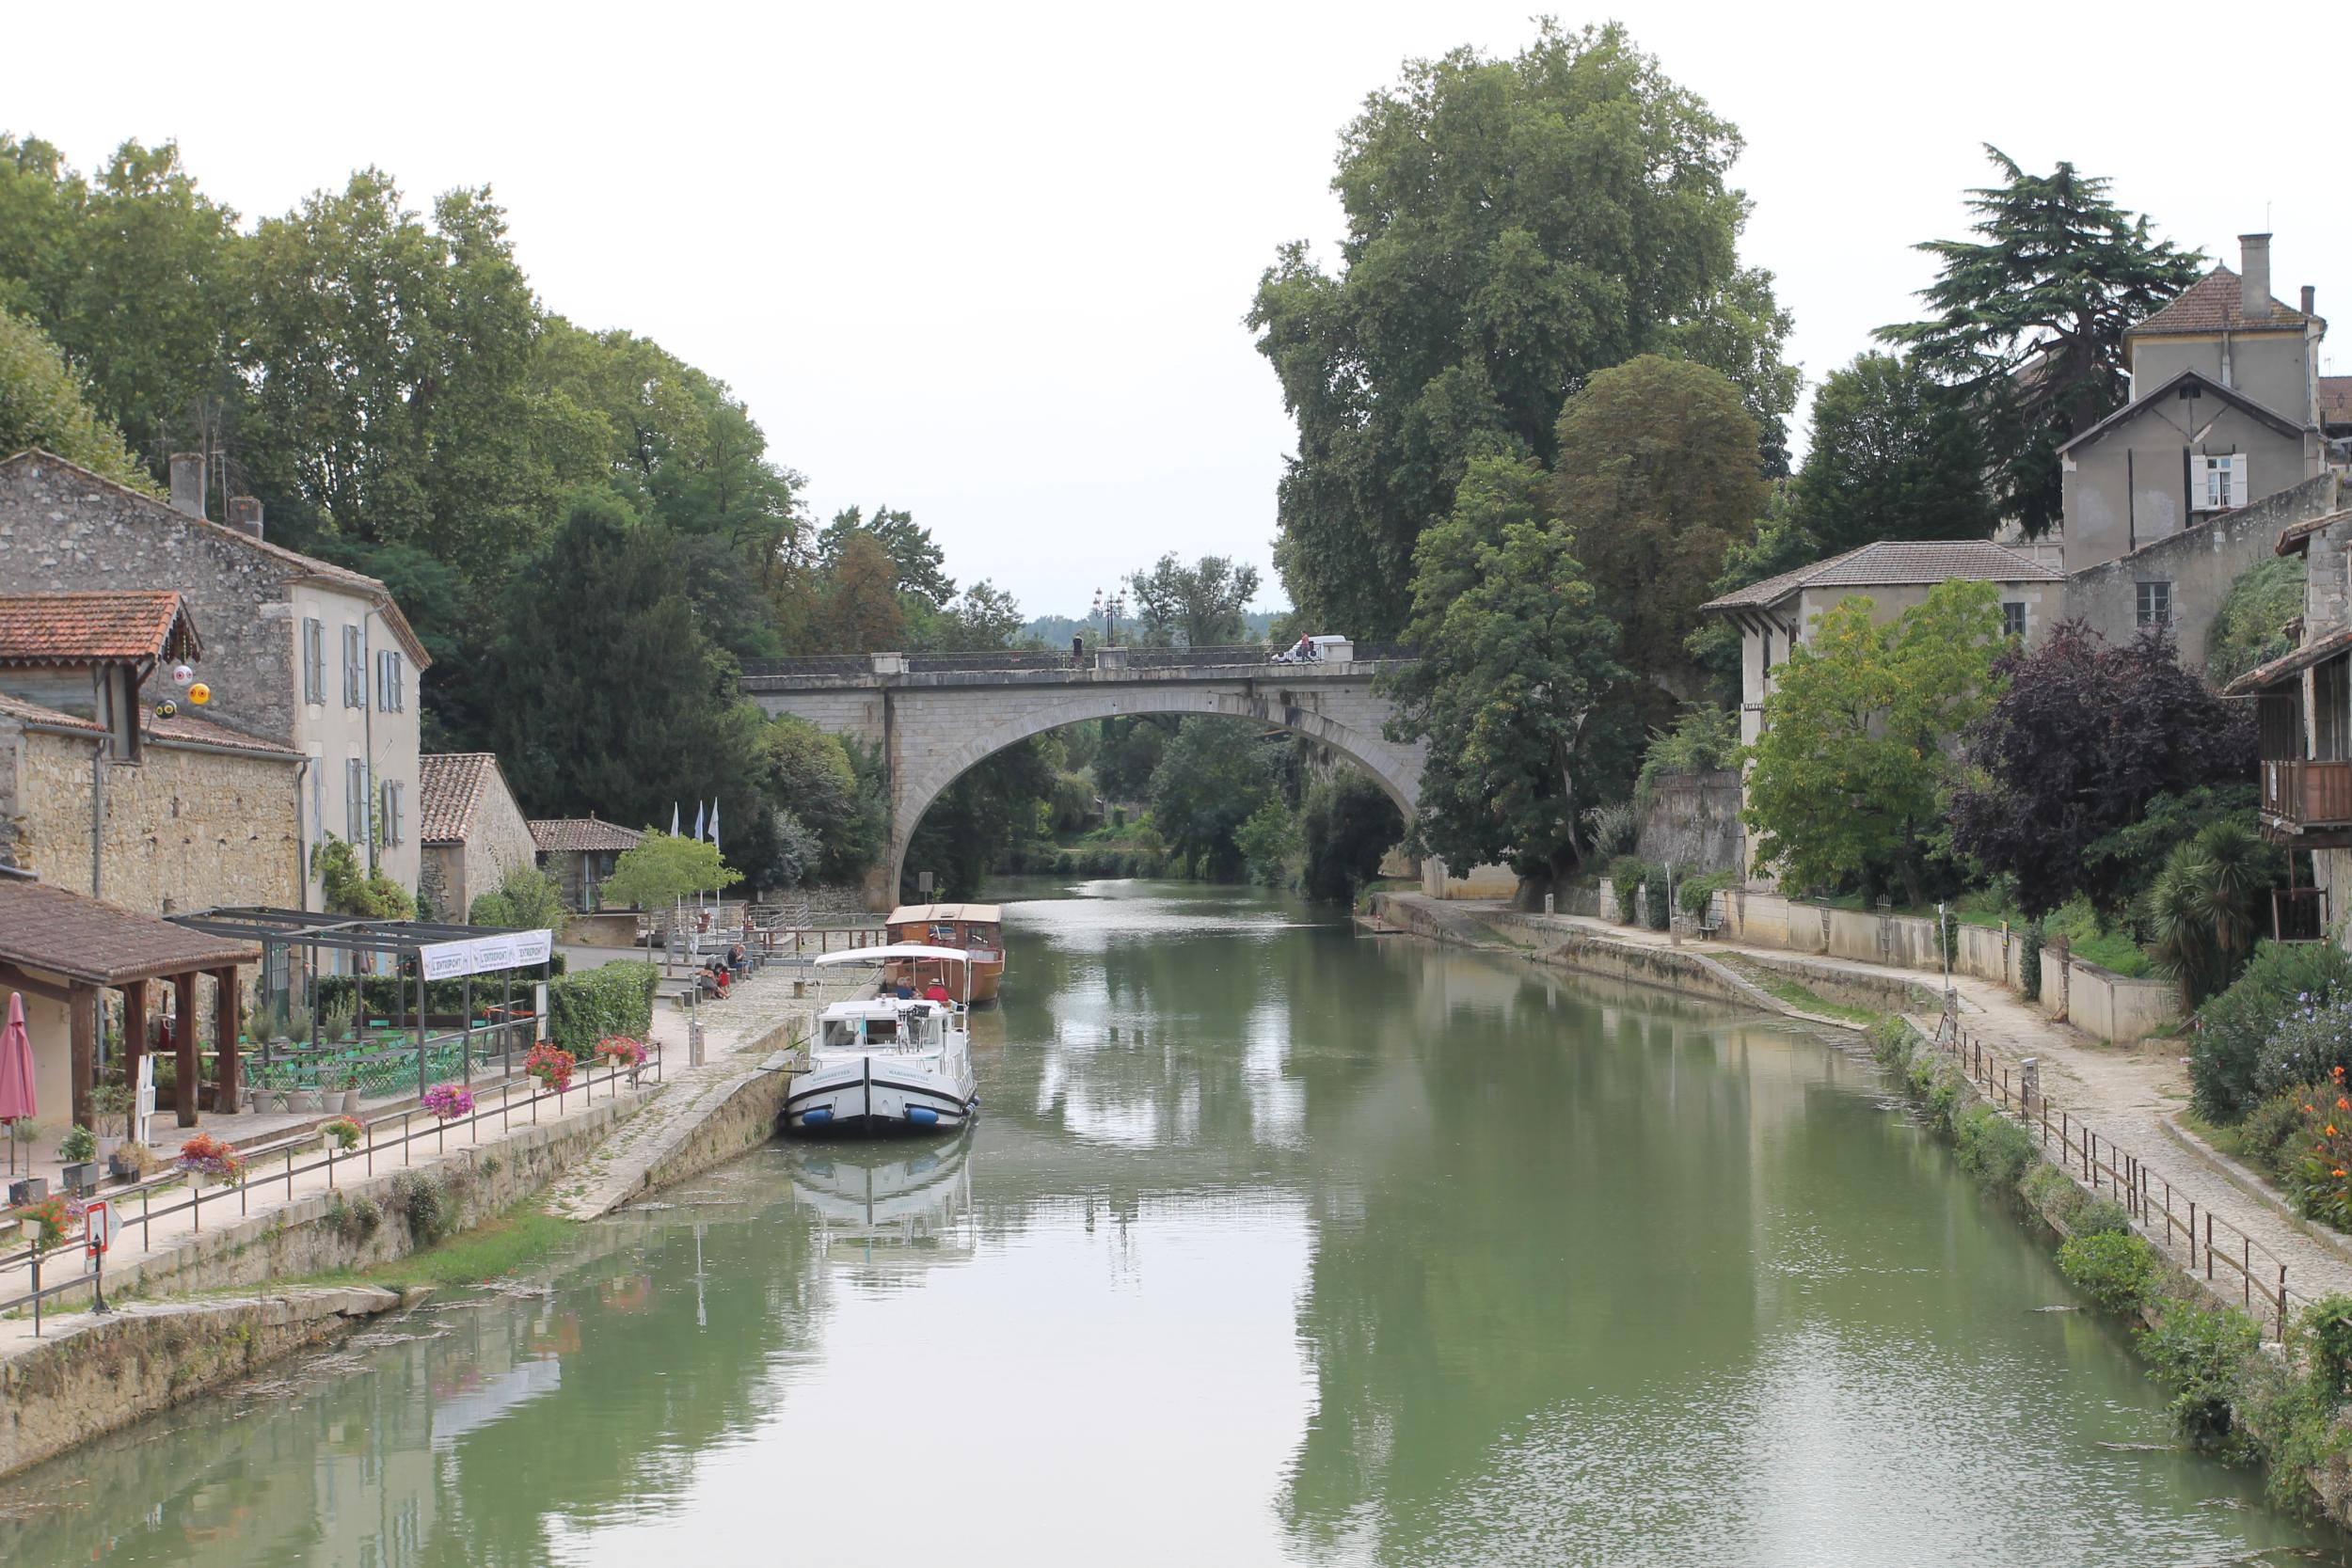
[894, 953]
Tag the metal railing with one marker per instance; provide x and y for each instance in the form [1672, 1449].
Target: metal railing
[2201, 1239]
[266, 1165]
[2308, 794]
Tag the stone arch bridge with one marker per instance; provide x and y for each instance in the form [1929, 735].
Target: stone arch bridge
[935, 715]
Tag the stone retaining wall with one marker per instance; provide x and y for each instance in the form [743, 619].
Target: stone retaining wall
[101, 1373]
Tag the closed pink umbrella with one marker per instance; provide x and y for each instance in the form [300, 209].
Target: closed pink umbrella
[16, 1070]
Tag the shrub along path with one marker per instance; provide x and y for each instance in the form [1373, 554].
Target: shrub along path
[2130, 1096]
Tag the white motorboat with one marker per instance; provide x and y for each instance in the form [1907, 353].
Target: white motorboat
[888, 1063]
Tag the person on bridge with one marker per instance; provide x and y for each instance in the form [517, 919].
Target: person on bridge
[1077, 651]
[1306, 648]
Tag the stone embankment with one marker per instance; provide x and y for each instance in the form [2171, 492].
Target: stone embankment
[95, 1373]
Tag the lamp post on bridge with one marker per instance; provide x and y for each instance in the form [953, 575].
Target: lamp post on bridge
[1109, 610]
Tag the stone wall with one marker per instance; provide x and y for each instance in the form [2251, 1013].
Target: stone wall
[62, 528]
[2201, 563]
[93, 1374]
[1694, 822]
[184, 828]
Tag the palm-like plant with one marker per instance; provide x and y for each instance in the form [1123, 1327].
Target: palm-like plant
[2201, 909]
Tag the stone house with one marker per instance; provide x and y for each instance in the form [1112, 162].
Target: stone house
[2303, 710]
[2224, 411]
[1894, 574]
[579, 852]
[99, 792]
[298, 652]
[471, 831]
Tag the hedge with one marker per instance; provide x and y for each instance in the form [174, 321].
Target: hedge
[616, 999]
[389, 995]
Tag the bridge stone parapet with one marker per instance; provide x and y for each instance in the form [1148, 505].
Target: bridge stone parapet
[934, 717]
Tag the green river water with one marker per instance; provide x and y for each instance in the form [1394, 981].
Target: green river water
[1274, 1245]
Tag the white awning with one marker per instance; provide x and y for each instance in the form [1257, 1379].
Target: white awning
[895, 952]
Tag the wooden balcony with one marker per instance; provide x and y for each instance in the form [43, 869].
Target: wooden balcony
[2298, 914]
[2308, 804]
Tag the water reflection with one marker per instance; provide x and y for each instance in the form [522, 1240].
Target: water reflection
[1273, 1243]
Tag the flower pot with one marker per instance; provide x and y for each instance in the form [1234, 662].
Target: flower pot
[28, 1188]
[349, 1105]
[107, 1147]
[122, 1165]
[81, 1177]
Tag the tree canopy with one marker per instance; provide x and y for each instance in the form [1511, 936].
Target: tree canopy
[1846, 781]
[1893, 455]
[42, 404]
[1513, 226]
[2027, 320]
[1198, 606]
[663, 869]
[2083, 736]
[1516, 655]
[1657, 479]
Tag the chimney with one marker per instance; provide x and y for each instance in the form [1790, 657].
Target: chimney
[245, 516]
[2311, 300]
[187, 482]
[2254, 276]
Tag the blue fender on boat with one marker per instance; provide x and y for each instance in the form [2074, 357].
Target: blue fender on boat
[922, 1116]
[816, 1115]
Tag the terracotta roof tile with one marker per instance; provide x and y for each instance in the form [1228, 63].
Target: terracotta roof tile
[95, 628]
[47, 927]
[2213, 303]
[449, 786]
[1894, 562]
[2335, 399]
[582, 833]
[2264, 676]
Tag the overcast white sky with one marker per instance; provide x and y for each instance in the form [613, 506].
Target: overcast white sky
[990, 261]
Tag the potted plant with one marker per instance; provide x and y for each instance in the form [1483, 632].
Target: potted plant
[551, 1065]
[77, 1151]
[110, 1107]
[343, 1134]
[622, 1050]
[48, 1220]
[205, 1158]
[449, 1100]
[338, 1090]
[132, 1161]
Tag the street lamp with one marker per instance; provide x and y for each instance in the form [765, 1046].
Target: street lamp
[1109, 610]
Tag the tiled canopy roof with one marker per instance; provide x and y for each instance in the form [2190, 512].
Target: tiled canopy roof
[184, 729]
[581, 833]
[2215, 303]
[2286, 666]
[450, 789]
[1894, 563]
[95, 628]
[65, 933]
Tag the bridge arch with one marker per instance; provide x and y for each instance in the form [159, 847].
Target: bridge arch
[920, 773]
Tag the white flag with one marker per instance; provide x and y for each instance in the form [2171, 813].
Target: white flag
[714, 821]
[698, 819]
[673, 820]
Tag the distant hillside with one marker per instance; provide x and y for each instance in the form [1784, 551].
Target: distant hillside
[1055, 631]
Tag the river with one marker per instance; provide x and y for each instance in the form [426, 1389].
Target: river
[1274, 1245]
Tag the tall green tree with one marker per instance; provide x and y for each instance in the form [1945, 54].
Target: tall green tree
[861, 612]
[1658, 478]
[1846, 783]
[812, 774]
[1515, 657]
[42, 404]
[1195, 605]
[1894, 455]
[2027, 320]
[130, 274]
[919, 563]
[1513, 227]
[1213, 777]
[652, 718]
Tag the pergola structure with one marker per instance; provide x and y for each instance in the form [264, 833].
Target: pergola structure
[68, 948]
[421, 950]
